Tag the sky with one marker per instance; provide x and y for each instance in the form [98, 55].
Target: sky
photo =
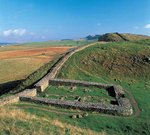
[44, 20]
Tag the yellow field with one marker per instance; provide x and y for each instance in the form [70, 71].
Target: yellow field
[32, 124]
[17, 63]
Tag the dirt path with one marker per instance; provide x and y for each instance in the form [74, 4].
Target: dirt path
[137, 110]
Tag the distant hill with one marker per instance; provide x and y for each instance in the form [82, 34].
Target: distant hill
[92, 37]
[67, 40]
[3, 44]
[117, 37]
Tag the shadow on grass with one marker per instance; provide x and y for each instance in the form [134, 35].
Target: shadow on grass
[8, 86]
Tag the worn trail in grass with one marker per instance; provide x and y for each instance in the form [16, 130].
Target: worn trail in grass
[123, 63]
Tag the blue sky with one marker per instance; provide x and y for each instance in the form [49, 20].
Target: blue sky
[42, 20]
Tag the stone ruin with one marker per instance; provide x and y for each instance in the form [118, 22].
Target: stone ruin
[121, 107]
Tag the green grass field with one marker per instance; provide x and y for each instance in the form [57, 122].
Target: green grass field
[88, 94]
[26, 118]
[123, 63]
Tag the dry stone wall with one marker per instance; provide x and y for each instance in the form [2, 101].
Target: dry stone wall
[99, 107]
[77, 83]
[44, 82]
[86, 106]
[123, 108]
[9, 100]
[15, 98]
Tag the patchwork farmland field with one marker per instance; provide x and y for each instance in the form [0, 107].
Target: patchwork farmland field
[15, 64]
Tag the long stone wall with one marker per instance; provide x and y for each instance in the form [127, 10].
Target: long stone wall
[123, 106]
[77, 83]
[87, 106]
[44, 82]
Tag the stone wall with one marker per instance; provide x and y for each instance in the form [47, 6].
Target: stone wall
[43, 83]
[119, 91]
[126, 107]
[86, 106]
[9, 100]
[123, 108]
[69, 82]
[99, 107]
[15, 98]
[28, 92]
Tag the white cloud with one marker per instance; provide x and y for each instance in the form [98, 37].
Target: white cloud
[147, 26]
[15, 32]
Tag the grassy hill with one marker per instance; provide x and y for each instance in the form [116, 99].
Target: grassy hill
[123, 63]
[31, 119]
[118, 37]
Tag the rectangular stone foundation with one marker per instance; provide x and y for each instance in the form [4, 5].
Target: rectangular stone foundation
[87, 106]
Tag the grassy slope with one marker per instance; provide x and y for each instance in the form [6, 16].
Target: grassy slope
[134, 37]
[143, 42]
[119, 37]
[119, 63]
[58, 120]
[15, 120]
